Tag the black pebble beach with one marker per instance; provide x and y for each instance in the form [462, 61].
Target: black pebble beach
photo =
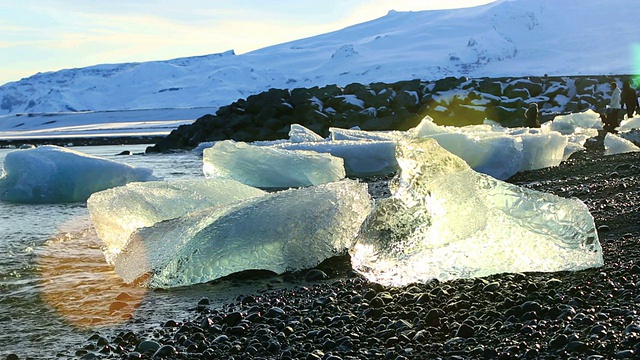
[336, 314]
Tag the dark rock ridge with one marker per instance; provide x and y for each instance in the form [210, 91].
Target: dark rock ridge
[395, 106]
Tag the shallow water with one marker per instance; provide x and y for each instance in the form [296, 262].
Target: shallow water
[56, 289]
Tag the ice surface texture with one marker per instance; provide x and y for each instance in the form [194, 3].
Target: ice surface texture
[118, 212]
[267, 167]
[288, 230]
[362, 158]
[495, 150]
[614, 144]
[52, 174]
[447, 221]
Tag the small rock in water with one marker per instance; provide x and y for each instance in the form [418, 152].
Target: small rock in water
[203, 301]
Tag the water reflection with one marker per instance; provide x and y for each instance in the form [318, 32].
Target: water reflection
[78, 283]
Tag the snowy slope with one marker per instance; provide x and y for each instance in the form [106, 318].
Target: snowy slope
[504, 38]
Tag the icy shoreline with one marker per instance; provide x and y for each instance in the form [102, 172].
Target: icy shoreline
[589, 313]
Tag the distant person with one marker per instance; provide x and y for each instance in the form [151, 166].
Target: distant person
[615, 99]
[531, 116]
[629, 99]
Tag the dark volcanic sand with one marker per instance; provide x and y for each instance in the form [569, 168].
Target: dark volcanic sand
[589, 314]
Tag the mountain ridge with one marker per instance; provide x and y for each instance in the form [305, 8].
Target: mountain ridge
[503, 38]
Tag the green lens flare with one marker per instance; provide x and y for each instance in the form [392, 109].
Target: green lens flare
[635, 49]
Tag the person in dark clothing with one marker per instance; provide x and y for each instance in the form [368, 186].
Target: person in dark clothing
[531, 116]
[629, 99]
[610, 120]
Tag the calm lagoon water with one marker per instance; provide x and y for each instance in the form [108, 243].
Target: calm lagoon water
[56, 290]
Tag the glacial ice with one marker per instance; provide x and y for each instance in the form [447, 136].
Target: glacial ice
[446, 221]
[287, 230]
[614, 144]
[357, 134]
[586, 122]
[118, 212]
[629, 124]
[495, 150]
[268, 167]
[488, 148]
[361, 158]
[299, 133]
[52, 174]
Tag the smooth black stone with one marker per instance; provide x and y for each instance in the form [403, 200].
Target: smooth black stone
[315, 275]
[165, 351]
[147, 346]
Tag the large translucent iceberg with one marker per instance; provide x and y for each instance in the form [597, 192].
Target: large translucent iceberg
[118, 212]
[52, 174]
[268, 167]
[446, 221]
[288, 230]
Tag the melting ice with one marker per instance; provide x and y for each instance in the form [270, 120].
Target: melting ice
[267, 167]
[446, 221]
[118, 212]
[52, 174]
[288, 230]
[614, 144]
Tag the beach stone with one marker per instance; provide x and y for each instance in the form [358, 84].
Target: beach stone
[558, 341]
[315, 275]
[625, 354]
[147, 346]
[165, 351]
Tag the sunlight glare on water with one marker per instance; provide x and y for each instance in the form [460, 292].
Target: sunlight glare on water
[56, 288]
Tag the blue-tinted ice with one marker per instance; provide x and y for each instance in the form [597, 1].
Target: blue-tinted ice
[267, 167]
[118, 212]
[288, 230]
[52, 174]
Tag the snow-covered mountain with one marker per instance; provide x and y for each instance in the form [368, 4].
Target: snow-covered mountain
[504, 38]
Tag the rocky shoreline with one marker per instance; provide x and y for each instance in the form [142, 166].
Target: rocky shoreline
[396, 106]
[332, 313]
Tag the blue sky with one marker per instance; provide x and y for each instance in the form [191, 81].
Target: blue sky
[48, 35]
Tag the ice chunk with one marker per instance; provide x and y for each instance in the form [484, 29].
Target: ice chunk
[358, 135]
[588, 121]
[52, 174]
[498, 156]
[361, 158]
[629, 124]
[494, 150]
[288, 230]
[119, 211]
[299, 133]
[269, 167]
[446, 221]
[614, 144]
[542, 149]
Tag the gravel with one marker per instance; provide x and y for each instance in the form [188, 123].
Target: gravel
[332, 313]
